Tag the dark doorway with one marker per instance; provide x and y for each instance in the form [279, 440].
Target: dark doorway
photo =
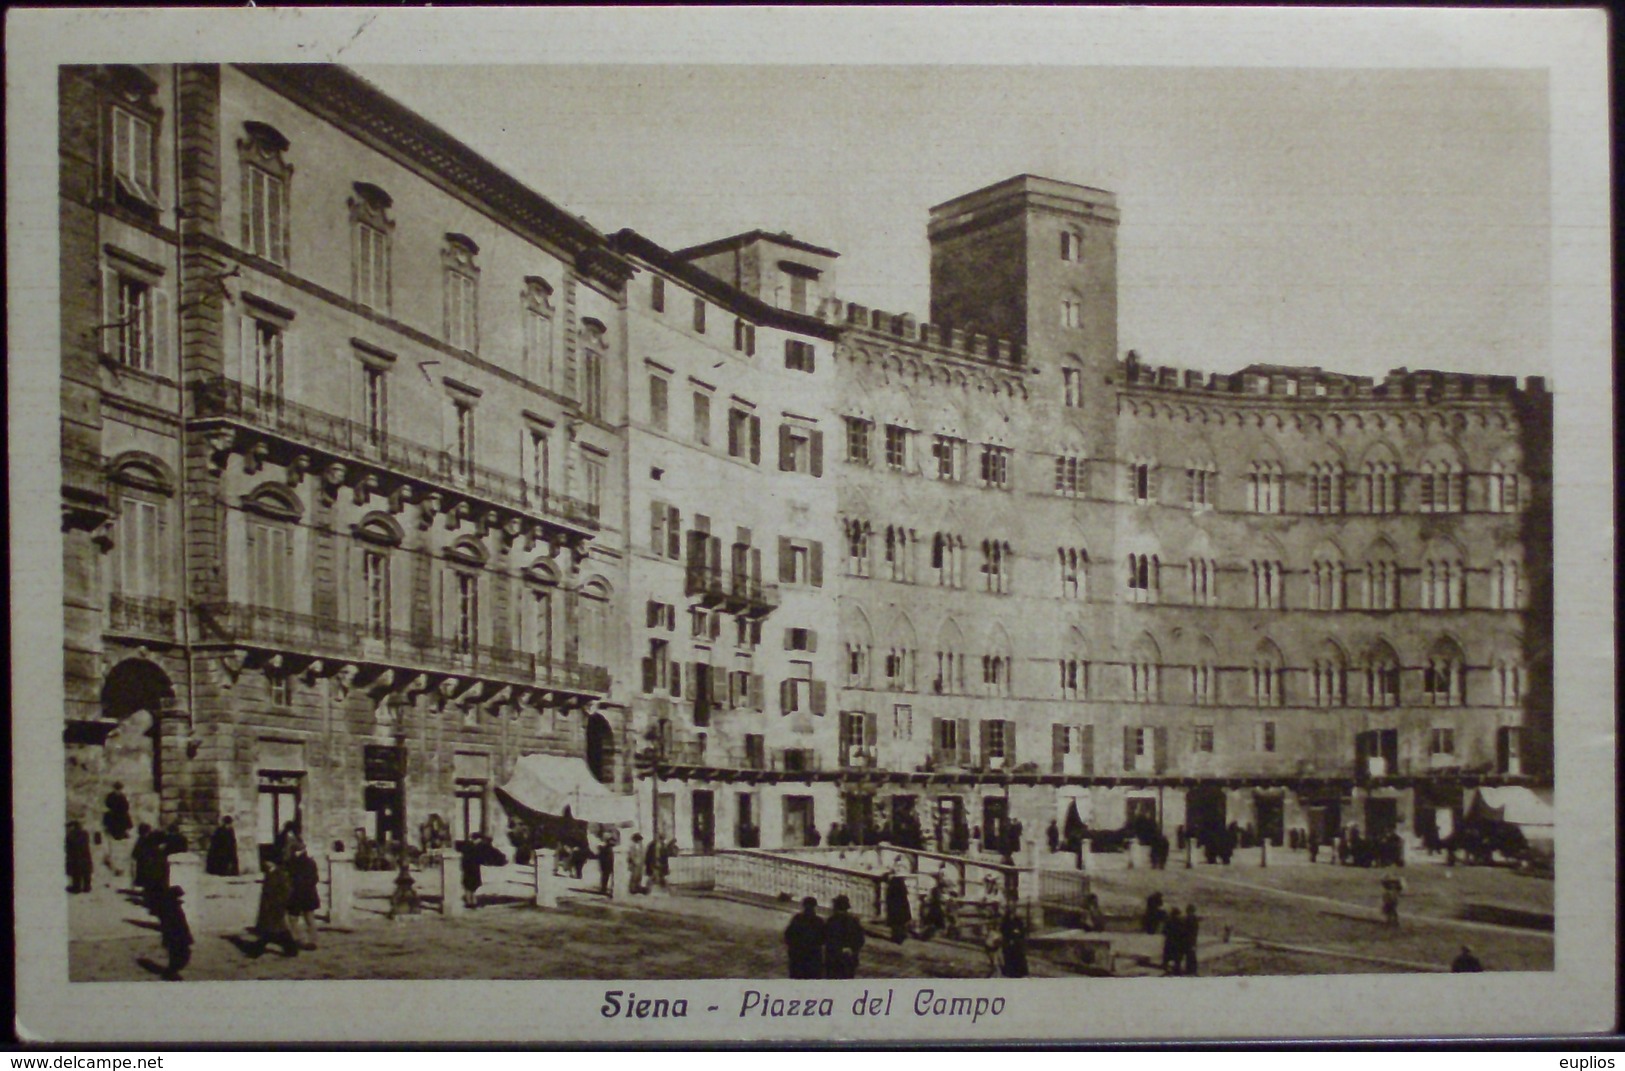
[1376, 753]
[1325, 820]
[385, 794]
[1140, 817]
[904, 825]
[704, 820]
[135, 696]
[747, 832]
[1381, 817]
[995, 818]
[1206, 813]
[948, 823]
[798, 821]
[1269, 818]
[858, 810]
[601, 749]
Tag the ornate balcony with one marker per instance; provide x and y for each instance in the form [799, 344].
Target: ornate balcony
[737, 594]
[375, 461]
[418, 654]
[141, 615]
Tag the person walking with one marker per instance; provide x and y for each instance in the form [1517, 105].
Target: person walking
[304, 892]
[843, 941]
[473, 853]
[1466, 962]
[1151, 921]
[116, 825]
[804, 941]
[271, 920]
[80, 864]
[1193, 931]
[636, 861]
[1052, 837]
[1173, 947]
[222, 857]
[606, 866]
[175, 932]
[1013, 935]
[898, 912]
[151, 858]
[1391, 889]
[654, 862]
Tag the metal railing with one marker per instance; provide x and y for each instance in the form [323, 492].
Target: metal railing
[735, 592]
[220, 398]
[143, 615]
[692, 871]
[785, 878]
[244, 623]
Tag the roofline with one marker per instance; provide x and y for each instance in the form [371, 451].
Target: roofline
[745, 238]
[629, 243]
[1015, 179]
[354, 105]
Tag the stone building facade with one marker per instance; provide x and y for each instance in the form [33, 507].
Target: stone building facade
[381, 471]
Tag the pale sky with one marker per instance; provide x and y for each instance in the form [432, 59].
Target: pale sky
[1360, 220]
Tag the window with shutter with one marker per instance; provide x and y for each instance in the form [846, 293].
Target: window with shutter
[963, 735]
[818, 691]
[1058, 748]
[817, 564]
[1130, 743]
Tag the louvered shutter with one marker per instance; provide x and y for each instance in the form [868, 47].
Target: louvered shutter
[107, 339]
[756, 565]
[1086, 747]
[674, 532]
[817, 453]
[676, 688]
[657, 528]
[812, 640]
[817, 569]
[985, 731]
[757, 700]
[701, 678]
[964, 741]
[755, 440]
[648, 674]
[789, 639]
[1128, 747]
[787, 565]
[1057, 748]
[786, 705]
[1010, 744]
[1159, 745]
[713, 556]
[818, 692]
[787, 460]
[871, 730]
[159, 306]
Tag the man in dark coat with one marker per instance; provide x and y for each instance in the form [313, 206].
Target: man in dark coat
[1193, 930]
[606, 866]
[1013, 946]
[1151, 921]
[304, 891]
[152, 864]
[80, 866]
[116, 824]
[222, 859]
[271, 921]
[898, 912]
[475, 853]
[804, 940]
[1052, 836]
[176, 933]
[1173, 943]
[843, 940]
[1466, 962]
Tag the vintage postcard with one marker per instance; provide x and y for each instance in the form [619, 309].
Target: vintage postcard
[801, 525]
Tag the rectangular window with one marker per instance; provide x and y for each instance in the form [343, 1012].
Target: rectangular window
[1071, 312]
[375, 403]
[133, 155]
[139, 548]
[375, 592]
[538, 346]
[745, 436]
[946, 451]
[896, 446]
[1072, 387]
[1266, 736]
[798, 355]
[268, 369]
[902, 722]
[745, 338]
[657, 293]
[462, 323]
[463, 416]
[270, 565]
[1442, 742]
[658, 388]
[466, 619]
[371, 267]
[1140, 482]
[857, 440]
[995, 466]
[798, 295]
[137, 323]
[1069, 476]
[266, 215]
[592, 386]
[1204, 739]
[702, 418]
[699, 315]
[536, 468]
[592, 481]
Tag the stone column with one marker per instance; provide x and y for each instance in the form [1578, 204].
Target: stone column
[451, 883]
[340, 890]
[186, 870]
[547, 888]
[1086, 856]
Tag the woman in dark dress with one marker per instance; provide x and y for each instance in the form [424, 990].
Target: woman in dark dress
[304, 891]
[222, 858]
[271, 923]
[1013, 930]
[898, 913]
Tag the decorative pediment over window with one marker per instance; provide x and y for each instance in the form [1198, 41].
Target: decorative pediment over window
[130, 134]
[371, 205]
[459, 253]
[541, 571]
[538, 295]
[141, 471]
[274, 500]
[468, 551]
[130, 84]
[596, 331]
[379, 528]
[265, 145]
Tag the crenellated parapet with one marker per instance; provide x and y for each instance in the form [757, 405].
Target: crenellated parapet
[1309, 384]
[944, 340]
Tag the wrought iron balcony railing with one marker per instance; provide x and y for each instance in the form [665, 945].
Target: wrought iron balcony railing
[345, 640]
[737, 593]
[222, 398]
[141, 615]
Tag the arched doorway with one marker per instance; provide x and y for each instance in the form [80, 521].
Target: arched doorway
[601, 749]
[134, 696]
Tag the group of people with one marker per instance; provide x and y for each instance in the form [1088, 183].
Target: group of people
[1180, 934]
[824, 948]
[290, 896]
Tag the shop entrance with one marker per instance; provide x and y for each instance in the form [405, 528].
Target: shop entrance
[995, 821]
[904, 826]
[385, 793]
[948, 824]
[858, 813]
[704, 820]
[1381, 817]
[798, 821]
[1269, 818]
[1206, 813]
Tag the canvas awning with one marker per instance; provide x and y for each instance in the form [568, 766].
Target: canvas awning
[1524, 807]
[562, 784]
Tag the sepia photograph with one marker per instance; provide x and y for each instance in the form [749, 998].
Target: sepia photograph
[791, 546]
